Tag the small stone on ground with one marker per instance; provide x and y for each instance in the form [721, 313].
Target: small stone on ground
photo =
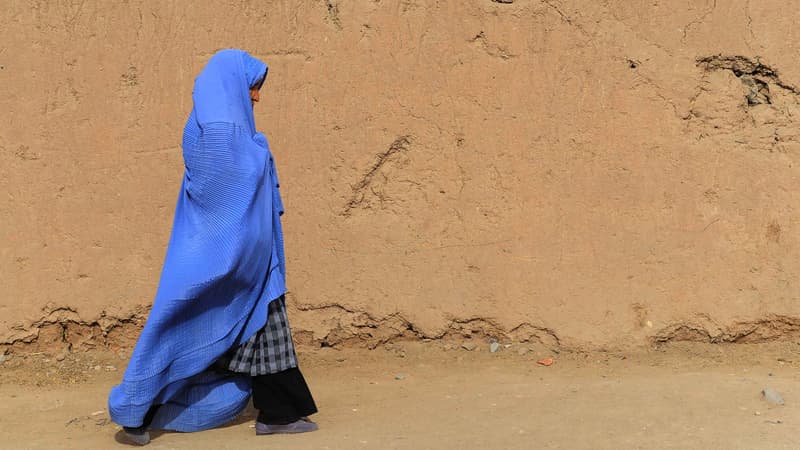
[772, 396]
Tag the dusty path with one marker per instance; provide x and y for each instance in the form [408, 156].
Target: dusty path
[684, 397]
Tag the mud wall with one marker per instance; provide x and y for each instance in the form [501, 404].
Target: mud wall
[600, 174]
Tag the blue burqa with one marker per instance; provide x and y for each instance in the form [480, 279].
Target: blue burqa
[223, 266]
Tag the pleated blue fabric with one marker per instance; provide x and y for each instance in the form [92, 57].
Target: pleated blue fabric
[223, 266]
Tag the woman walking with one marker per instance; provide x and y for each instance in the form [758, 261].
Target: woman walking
[218, 330]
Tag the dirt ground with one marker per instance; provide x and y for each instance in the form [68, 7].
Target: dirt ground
[440, 395]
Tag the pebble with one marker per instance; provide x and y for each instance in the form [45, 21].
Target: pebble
[494, 346]
[469, 346]
[96, 367]
[3, 358]
[97, 413]
[772, 396]
[60, 357]
[400, 376]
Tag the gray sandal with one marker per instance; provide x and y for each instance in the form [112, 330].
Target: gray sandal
[303, 425]
[137, 436]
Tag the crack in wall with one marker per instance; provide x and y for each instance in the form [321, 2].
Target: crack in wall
[289, 52]
[333, 14]
[711, 113]
[357, 198]
[62, 326]
[754, 74]
[571, 20]
[770, 329]
[698, 21]
[564, 18]
[749, 25]
[491, 49]
[634, 64]
[610, 11]
[350, 326]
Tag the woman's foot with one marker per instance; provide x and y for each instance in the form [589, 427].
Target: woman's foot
[302, 425]
[137, 436]
[140, 435]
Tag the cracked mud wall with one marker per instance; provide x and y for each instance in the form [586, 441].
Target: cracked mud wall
[585, 174]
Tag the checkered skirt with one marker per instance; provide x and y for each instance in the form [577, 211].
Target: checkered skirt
[271, 349]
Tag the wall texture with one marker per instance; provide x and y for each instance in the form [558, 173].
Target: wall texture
[590, 174]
